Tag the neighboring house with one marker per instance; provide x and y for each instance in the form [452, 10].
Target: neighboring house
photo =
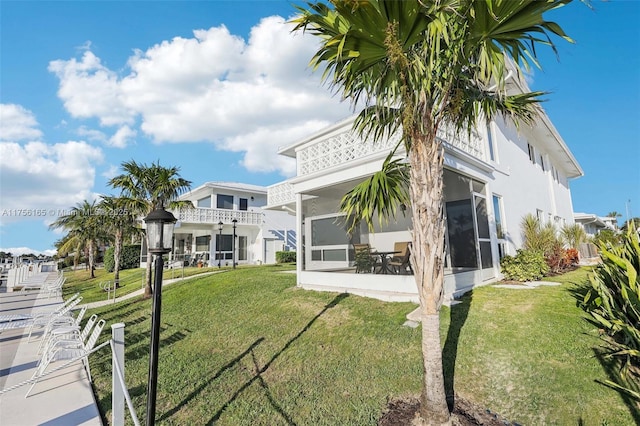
[492, 179]
[204, 234]
[592, 224]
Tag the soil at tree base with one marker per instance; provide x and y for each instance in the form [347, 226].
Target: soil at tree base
[401, 411]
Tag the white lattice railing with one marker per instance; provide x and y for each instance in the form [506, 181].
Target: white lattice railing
[339, 149]
[214, 216]
[346, 147]
[280, 194]
[473, 145]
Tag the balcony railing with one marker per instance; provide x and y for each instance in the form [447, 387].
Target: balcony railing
[214, 216]
[346, 147]
[280, 194]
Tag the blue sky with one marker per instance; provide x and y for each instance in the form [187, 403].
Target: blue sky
[216, 87]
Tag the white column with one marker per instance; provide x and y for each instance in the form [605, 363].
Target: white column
[299, 246]
[117, 393]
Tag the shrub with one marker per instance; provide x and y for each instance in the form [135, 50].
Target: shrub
[286, 256]
[612, 299]
[129, 258]
[571, 257]
[526, 265]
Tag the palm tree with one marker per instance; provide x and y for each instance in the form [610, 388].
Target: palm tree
[147, 187]
[120, 223]
[573, 235]
[417, 65]
[85, 230]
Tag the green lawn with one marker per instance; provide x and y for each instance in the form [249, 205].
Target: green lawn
[130, 281]
[247, 347]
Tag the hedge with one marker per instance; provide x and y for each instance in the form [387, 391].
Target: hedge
[129, 258]
[286, 256]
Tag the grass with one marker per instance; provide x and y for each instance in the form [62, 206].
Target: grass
[248, 347]
[130, 280]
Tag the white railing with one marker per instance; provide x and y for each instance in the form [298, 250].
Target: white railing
[346, 147]
[214, 216]
[280, 194]
[339, 149]
[119, 391]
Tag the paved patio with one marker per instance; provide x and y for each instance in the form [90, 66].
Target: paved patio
[63, 398]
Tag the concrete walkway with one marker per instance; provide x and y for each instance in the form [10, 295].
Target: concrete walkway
[140, 292]
[62, 398]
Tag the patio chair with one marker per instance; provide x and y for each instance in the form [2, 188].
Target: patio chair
[364, 261]
[70, 335]
[65, 351]
[44, 320]
[401, 263]
[66, 321]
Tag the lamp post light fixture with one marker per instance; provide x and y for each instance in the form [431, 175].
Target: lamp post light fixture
[220, 226]
[233, 246]
[159, 225]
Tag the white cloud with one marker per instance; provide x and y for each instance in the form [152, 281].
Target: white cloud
[45, 178]
[17, 123]
[122, 137]
[249, 96]
[90, 89]
[18, 251]
[111, 172]
[91, 134]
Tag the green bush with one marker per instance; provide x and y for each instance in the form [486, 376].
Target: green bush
[526, 265]
[612, 299]
[286, 256]
[109, 262]
[129, 258]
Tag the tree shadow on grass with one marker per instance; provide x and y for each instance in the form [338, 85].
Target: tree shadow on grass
[611, 369]
[204, 385]
[260, 370]
[458, 314]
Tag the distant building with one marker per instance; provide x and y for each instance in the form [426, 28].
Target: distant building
[204, 234]
[592, 224]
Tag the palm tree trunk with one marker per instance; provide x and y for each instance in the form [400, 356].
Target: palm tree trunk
[116, 258]
[147, 278]
[91, 259]
[426, 157]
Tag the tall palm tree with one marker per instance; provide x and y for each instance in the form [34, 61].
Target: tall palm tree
[86, 230]
[120, 222]
[417, 65]
[147, 187]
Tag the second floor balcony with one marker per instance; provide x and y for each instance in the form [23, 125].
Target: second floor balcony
[215, 216]
[346, 146]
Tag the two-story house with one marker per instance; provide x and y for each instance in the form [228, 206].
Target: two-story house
[492, 179]
[204, 235]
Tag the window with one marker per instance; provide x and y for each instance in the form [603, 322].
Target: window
[540, 215]
[244, 204]
[492, 156]
[227, 242]
[542, 161]
[497, 212]
[204, 202]
[554, 172]
[202, 243]
[532, 154]
[225, 202]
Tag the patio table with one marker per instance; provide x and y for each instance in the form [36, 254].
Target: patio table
[384, 261]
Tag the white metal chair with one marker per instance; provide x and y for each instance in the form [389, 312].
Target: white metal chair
[66, 351]
[63, 322]
[44, 320]
[70, 334]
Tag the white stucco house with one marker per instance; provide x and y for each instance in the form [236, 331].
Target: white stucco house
[205, 233]
[492, 180]
[592, 224]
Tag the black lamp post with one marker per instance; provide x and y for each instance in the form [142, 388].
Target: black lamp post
[159, 238]
[220, 225]
[233, 246]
